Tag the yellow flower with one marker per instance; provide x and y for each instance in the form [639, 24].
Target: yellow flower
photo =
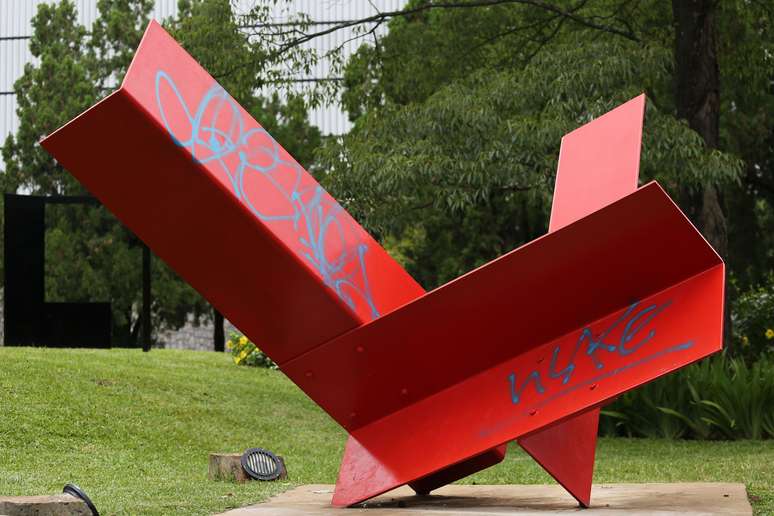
[770, 334]
[241, 357]
[229, 344]
[243, 340]
[745, 341]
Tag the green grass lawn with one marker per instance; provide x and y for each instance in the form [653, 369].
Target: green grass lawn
[134, 430]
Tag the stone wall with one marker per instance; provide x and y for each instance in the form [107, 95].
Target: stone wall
[192, 337]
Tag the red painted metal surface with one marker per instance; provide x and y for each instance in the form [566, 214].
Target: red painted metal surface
[460, 470]
[180, 162]
[429, 385]
[598, 163]
[529, 313]
[525, 393]
[566, 451]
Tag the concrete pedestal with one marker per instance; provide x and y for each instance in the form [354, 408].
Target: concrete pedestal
[692, 499]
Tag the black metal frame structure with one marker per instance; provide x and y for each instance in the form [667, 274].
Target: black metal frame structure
[29, 320]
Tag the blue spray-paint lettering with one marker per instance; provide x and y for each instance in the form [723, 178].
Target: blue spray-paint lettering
[629, 333]
[598, 343]
[565, 373]
[533, 377]
[316, 220]
[593, 345]
[635, 322]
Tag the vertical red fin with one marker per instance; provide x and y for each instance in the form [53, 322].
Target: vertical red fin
[598, 164]
[566, 452]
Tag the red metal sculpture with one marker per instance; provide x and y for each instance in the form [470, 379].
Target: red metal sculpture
[430, 385]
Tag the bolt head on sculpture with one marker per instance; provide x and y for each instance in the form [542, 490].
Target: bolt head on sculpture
[622, 289]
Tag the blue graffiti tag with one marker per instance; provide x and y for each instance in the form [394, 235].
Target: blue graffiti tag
[635, 323]
[313, 214]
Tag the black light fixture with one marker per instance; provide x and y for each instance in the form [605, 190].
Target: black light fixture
[77, 492]
[261, 464]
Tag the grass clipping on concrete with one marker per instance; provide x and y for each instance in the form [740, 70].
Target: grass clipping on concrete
[134, 431]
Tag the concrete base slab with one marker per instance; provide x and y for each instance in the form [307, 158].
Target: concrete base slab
[693, 499]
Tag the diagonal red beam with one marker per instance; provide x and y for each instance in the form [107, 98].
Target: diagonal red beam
[179, 162]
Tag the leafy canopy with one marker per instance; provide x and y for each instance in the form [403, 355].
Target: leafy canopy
[457, 132]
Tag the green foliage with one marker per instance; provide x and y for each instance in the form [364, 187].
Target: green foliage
[466, 173]
[115, 35]
[91, 256]
[753, 319]
[746, 58]
[718, 398]
[459, 112]
[246, 353]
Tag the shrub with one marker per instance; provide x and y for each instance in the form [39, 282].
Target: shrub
[753, 322]
[246, 353]
[718, 398]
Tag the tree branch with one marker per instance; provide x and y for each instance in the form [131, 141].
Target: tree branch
[381, 17]
[288, 40]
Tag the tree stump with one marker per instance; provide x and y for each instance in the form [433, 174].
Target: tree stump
[228, 466]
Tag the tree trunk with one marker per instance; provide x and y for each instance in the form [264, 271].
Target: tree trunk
[697, 96]
[698, 101]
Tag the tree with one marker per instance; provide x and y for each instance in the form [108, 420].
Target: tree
[433, 42]
[697, 93]
[90, 256]
[115, 35]
[58, 43]
[709, 69]
[745, 48]
[466, 174]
